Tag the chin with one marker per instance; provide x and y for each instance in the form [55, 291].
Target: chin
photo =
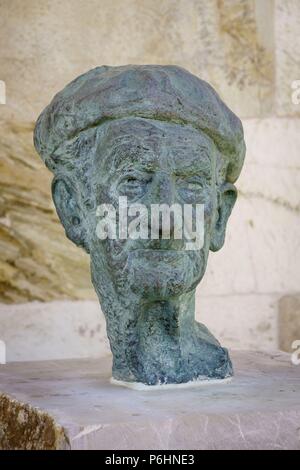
[160, 275]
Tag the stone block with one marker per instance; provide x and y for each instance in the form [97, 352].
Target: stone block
[287, 53]
[289, 321]
[53, 330]
[228, 43]
[259, 409]
[240, 321]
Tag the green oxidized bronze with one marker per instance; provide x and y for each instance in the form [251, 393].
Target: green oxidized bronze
[157, 135]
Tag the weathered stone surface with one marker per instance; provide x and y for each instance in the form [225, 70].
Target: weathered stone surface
[37, 262]
[229, 43]
[232, 44]
[287, 55]
[259, 409]
[240, 321]
[272, 167]
[23, 427]
[289, 321]
[53, 330]
[264, 230]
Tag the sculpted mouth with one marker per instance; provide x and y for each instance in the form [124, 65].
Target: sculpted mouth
[160, 250]
[156, 255]
[160, 245]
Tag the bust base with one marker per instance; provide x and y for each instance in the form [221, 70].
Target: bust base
[160, 386]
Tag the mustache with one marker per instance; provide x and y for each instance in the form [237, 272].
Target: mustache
[120, 248]
[177, 270]
[130, 258]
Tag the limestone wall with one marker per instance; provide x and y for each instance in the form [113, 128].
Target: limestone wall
[249, 50]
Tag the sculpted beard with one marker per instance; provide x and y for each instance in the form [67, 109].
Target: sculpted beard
[155, 274]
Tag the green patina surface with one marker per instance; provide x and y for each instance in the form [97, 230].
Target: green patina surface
[157, 135]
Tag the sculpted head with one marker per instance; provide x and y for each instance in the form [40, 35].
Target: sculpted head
[148, 135]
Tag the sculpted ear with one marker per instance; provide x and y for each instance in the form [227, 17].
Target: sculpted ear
[227, 198]
[68, 210]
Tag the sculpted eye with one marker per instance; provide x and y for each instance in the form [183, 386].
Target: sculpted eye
[132, 186]
[193, 186]
[190, 189]
[131, 181]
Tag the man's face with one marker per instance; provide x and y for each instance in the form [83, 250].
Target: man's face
[152, 162]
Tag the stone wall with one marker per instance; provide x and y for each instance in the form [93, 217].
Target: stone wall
[249, 50]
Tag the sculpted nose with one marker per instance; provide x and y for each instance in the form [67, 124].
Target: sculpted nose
[162, 191]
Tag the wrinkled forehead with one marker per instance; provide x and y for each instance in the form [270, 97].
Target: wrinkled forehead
[148, 145]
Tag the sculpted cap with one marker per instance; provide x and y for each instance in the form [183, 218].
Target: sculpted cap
[165, 93]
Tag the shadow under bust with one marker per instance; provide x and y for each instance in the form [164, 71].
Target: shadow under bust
[153, 135]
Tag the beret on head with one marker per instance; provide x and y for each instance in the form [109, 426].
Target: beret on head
[166, 93]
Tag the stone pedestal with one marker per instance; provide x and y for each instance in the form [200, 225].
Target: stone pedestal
[72, 404]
